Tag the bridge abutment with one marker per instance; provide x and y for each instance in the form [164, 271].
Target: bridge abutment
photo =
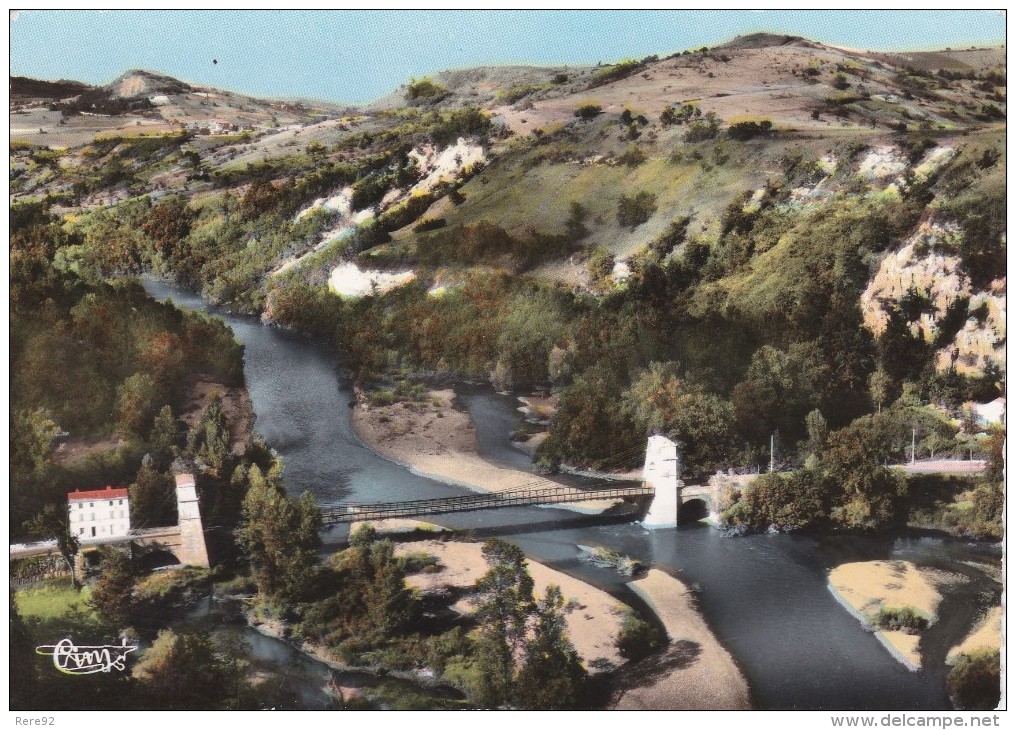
[192, 549]
[662, 467]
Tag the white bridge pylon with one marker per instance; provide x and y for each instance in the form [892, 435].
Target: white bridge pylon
[663, 465]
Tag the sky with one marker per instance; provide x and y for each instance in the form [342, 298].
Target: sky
[356, 56]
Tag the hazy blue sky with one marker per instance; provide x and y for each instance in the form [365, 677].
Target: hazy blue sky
[358, 55]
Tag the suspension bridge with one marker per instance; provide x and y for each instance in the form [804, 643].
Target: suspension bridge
[339, 513]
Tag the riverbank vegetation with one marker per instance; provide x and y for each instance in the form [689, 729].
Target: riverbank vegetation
[511, 651]
[845, 484]
[99, 362]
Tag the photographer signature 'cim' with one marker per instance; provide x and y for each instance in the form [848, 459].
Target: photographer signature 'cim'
[71, 659]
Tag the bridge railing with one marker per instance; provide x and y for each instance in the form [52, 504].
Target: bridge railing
[338, 513]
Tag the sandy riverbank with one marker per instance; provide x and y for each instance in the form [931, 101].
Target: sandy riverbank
[695, 672]
[866, 587]
[593, 616]
[436, 440]
[986, 635]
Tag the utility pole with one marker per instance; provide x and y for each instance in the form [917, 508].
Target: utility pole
[772, 452]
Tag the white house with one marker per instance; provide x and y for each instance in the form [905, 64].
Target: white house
[99, 514]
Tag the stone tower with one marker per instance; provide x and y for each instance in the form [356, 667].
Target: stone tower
[193, 550]
[663, 465]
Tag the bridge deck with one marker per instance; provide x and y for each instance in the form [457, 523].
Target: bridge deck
[338, 513]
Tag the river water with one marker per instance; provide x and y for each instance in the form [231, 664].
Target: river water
[765, 596]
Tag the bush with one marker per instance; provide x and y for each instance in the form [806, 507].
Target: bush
[679, 115]
[748, 130]
[618, 71]
[907, 619]
[975, 682]
[425, 90]
[638, 638]
[635, 209]
[588, 111]
[633, 156]
[702, 129]
[430, 224]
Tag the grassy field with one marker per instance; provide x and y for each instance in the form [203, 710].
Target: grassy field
[51, 599]
[54, 609]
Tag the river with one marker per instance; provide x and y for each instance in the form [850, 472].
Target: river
[765, 596]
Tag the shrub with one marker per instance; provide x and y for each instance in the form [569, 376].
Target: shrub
[633, 156]
[638, 638]
[907, 619]
[600, 264]
[680, 115]
[702, 129]
[588, 111]
[430, 224]
[748, 130]
[425, 89]
[975, 682]
[619, 70]
[635, 209]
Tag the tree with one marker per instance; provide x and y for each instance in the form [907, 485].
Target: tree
[661, 402]
[209, 441]
[818, 431]
[279, 537]
[880, 384]
[780, 387]
[995, 470]
[635, 209]
[113, 590]
[638, 638]
[552, 677]
[152, 497]
[853, 463]
[164, 438]
[388, 602]
[182, 671]
[52, 522]
[21, 656]
[785, 502]
[975, 681]
[136, 401]
[31, 440]
[504, 602]
[576, 223]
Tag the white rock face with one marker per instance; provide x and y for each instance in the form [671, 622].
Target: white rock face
[882, 163]
[444, 165]
[349, 280]
[933, 162]
[926, 266]
[621, 272]
[341, 203]
[827, 163]
[978, 345]
[918, 266]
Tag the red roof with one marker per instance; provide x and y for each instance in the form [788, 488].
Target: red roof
[107, 493]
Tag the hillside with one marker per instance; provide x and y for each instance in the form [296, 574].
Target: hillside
[762, 230]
